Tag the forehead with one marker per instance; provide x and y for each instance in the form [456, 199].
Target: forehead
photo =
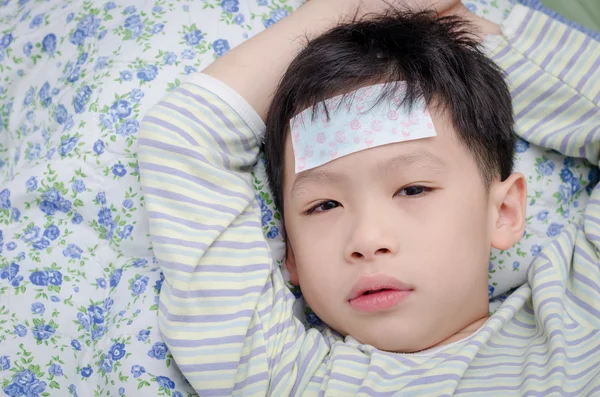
[444, 148]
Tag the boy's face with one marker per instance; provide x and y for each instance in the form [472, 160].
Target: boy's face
[413, 218]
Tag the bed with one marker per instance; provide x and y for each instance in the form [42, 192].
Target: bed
[79, 285]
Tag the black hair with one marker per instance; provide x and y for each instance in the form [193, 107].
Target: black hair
[437, 58]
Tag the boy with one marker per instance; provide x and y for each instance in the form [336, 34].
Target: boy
[397, 221]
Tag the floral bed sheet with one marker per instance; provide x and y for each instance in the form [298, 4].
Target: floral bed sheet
[79, 285]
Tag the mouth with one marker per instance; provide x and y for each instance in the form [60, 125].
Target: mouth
[378, 292]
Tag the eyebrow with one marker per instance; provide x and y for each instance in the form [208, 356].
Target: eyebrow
[423, 158]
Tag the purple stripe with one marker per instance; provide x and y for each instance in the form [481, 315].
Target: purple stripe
[395, 358]
[557, 49]
[245, 224]
[217, 112]
[204, 318]
[214, 392]
[192, 178]
[570, 66]
[524, 23]
[584, 305]
[179, 242]
[522, 324]
[259, 351]
[556, 112]
[558, 369]
[214, 366]
[581, 120]
[539, 37]
[185, 222]
[536, 102]
[496, 58]
[262, 377]
[587, 76]
[214, 268]
[204, 342]
[427, 380]
[239, 246]
[387, 376]
[583, 279]
[506, 334]
[515, 66]
[366, 390]
[216, 293]
[172, 148]
[278, 376]
[584, 255]
[346, 378]
[304, 362]
[528, 82]
[278, 328]
[556, 283]
[189, 115]
[160, 122]
[592, 219]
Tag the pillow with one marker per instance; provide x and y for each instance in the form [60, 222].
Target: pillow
[558, 190]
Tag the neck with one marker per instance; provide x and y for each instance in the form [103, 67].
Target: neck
[463, 333]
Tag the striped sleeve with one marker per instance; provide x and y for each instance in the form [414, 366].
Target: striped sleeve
[553, 72]
[225, 312]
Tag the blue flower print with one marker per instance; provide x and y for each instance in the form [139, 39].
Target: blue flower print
[6, 40]
[55, 277]
[239, 19]
[147, 73]
[76, 345]
[266, 217]
[190, 69]
[38, 308]
[20, 330]
[554, 229]
[128, 128]
[44, 95]
[61, 114]
[115, 278]
[273, 232]
[29, 97]
[67, 145]
[73, 74]
[157, 9]
[126, 75]
[107, 365]
[27, 48]
[127, 203]
[546, 167]
[194, 38]
[593, 178]
[313, 319]
[31, 233]
[101, 63]
[536, 249]
[9, 272]
[41, 244]
[81, 98]
[126, 232]
[188, 54]
[39, 278]
[72, 251]
[521, 146]
[11, 246]
[4, 363]
[117, 351]
[84, 321]
[79, 186]
[55, 299]
[89, 25]
[565, 192]
[16, 214]
[176, 394]
[542, 215]
[170, 58]
[78, 37]
[490, 291]
[139, 285]
[99, 147]
[82, 58]
[14, 390]
[140, 263]
[86, 372]
[106, 120]
[220, 46]
[231, 6]
[165, 382]
[77, 219]
[119, 170]
[566, 175]
[52, 232]
[70, 17]
[122, 108]
[43, 332]
[5, 199]
[157, 28]
[99, 332]
[110, 5]
[96, 313]
[575, 186]
[56, 370]
[137, 371]
[158, 351]
[101, 283]
[135, 24]
[49, 44]
[129, 10]
[36, 21]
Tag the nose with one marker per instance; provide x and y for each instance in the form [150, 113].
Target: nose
[372, 237]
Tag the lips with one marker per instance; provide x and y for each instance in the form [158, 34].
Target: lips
[378, 292]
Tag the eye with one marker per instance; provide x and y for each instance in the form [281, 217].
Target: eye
[323, 207]
[412, 191]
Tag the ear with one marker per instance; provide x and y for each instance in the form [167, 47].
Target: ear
[510, 202]
[290, 263]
